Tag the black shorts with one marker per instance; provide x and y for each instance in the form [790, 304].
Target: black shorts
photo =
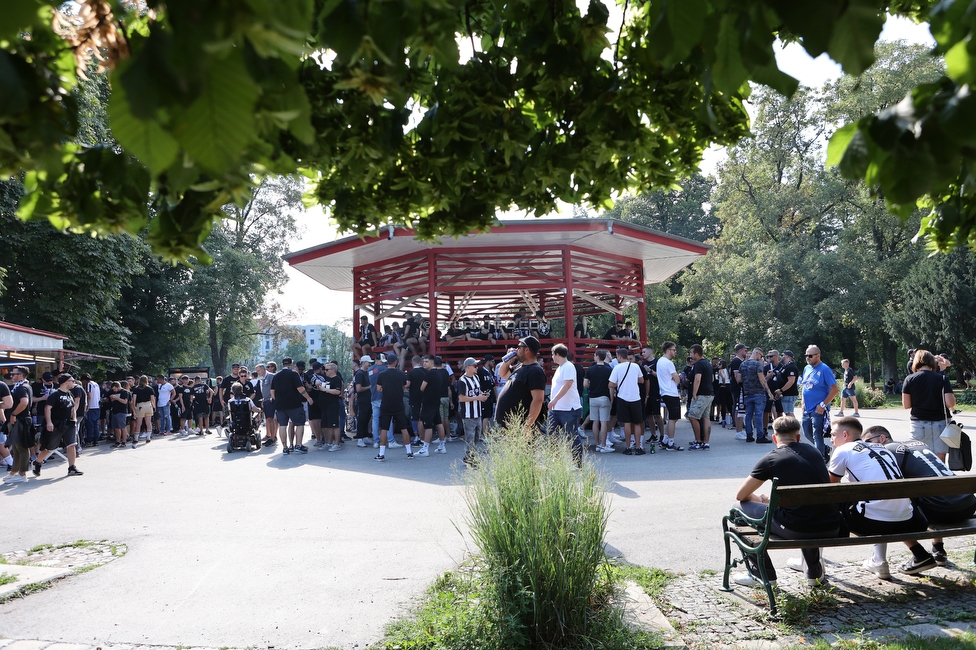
[629, 412]
[64, 435]
[673, 405]
[430, 415]
[415, 411]
[653, 406]
[858, 523]
[314, 412]
[942, 517]
[397, 416]
[330, 415]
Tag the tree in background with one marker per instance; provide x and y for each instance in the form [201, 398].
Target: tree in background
[682, 212]
[335, 345]
[247, 248]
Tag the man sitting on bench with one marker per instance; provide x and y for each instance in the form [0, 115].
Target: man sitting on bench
[863, 460]
[793, 463]
[918, 461]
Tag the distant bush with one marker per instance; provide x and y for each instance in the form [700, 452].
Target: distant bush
[965, 397]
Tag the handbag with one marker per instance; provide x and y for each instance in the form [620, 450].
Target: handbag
[961, 459]
[952, 433]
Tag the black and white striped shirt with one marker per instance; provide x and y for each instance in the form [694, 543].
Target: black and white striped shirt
[471, 387]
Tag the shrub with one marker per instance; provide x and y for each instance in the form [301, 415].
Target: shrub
[965, 397]
[868, 397]
[539, 524]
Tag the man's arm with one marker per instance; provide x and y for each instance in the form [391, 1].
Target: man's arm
[762, 380]
[538, 396]
[694, 391]
[47, 417]
[789, 383]
[613, 390]
[747, 491]
[830, 397]
[74, 410]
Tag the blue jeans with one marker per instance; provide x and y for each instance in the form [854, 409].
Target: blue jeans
[165, 421]
[755, 405]
[789, 404]
[376, 422]
[813, 428]
[566, 423]
[91, 425]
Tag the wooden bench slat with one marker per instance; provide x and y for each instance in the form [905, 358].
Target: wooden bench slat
[751, 536]
[804, 495]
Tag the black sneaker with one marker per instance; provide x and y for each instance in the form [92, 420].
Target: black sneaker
[673, 447]
[763, 440]
[629, 451]
[915, 565]
[74, 471]
[301, 449]
[409, 456]
[750, 439]
[940, 556]
[379, 459]
[36, 468]
[639, 451]
[286, 450]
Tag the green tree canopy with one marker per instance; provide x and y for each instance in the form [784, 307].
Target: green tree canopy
[375, 103]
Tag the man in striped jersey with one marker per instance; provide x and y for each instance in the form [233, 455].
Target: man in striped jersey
[470, 399]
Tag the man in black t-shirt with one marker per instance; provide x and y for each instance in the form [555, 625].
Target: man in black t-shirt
[700, 396]
[430, 406]
[525, 388]
[788, 375]
[6, 401]
[287, 391]
[391, 384]
[738, 406]
[224, 391]
[20, 436]
[792, 463]
[118, 400]
[596, 380]
[916, 460]
[364, 406]
[184, 400]
[331, 407]
[60, 425]
[486, 375]
[416, 378]
[652, 393]
[314, 381]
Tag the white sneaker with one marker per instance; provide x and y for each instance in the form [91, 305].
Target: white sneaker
[319, 443]
[376, 445]
[607, 450]
[795, 563]
[361, 443]
[881, 570]
[746, 580]
[333, 448]
[440, 450]
[740, 435]
[422, 452]
[395, 445]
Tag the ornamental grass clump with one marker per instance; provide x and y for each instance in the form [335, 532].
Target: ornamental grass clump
[539, 524]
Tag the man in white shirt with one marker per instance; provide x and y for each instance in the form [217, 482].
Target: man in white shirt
[667, 380]
[863, 460]
[164, 395]
[565, 407]
[94, 409]
[625, 380]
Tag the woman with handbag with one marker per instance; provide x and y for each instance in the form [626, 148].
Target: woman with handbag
[928, 393]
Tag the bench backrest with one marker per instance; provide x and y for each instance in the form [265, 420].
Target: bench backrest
[805, 495]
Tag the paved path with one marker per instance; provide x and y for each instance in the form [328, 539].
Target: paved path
[317, 550]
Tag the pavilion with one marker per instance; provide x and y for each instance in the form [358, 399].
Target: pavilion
[564, 267]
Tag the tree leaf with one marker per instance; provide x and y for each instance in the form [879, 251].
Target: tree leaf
[728, 71]
[855, 33]
[217, 128]
[687, 21]
[959, 63]
[838, 144]
[144, 139]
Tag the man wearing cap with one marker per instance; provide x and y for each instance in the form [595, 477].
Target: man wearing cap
[789, 375]
[20, 437]
[525, 385]
[288, 394]
[471, 401]
[60, 412]
[819, 389]
[565, 406]
[391, 385]
[364, 407]
[735, 382]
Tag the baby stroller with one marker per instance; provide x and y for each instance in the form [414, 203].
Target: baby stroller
[243, 433]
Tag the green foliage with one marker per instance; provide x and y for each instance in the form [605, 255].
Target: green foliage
[868, 397]
[7, 578]
[373, 102]
[539, 525]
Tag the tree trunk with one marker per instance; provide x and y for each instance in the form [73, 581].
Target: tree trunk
[889, 359]
[215, 356]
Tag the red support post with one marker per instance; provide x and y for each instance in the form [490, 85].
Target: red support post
[568, 319]
[432, 295]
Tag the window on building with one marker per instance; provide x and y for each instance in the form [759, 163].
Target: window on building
[312, 342]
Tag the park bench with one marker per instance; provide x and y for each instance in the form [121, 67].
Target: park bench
[753, 536]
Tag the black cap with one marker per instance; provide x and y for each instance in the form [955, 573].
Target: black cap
[48, 376]
[489, 357]
[740, 346]
[86, 377]
[532, 343]
[316, 365]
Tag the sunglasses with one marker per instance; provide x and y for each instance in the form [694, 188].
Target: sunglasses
[810, 356]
